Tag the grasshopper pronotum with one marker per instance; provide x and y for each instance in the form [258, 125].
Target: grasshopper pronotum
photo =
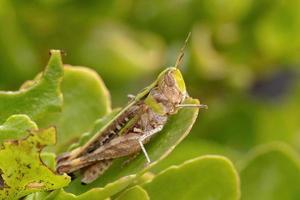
[132, 127]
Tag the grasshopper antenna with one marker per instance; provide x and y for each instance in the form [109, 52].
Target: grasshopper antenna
[192, 106]
[181, 54]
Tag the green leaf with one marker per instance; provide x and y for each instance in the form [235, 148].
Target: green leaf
[22, 171]
[206, 177]
[191, 148]
[48, 159]
[271, 172]
[136, 192]
[86, 99]
[38, 97]
[16, 127]
[95, 193]
[160, 146]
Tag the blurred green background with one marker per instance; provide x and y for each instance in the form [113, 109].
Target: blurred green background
[242, 60]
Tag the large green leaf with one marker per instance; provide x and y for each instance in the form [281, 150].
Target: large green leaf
[160, 146]
[85, 100]
[36, 98]
[271, 172]
[136, 192]
[191, 148]
[22, 171]
[205, 178]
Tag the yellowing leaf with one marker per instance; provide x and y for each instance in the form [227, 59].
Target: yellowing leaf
[22, 171]
[16, 127]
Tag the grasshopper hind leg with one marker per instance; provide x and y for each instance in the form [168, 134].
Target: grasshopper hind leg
[92, 172]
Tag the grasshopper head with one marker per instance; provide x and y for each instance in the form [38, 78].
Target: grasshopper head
[169, 92]
[171, 79]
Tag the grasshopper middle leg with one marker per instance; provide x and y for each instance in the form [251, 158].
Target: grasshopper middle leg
[144, 139]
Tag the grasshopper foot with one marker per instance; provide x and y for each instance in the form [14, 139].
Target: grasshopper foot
[146, 164]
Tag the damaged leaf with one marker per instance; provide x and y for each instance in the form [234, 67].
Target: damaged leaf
[16, 127]
[22, 171]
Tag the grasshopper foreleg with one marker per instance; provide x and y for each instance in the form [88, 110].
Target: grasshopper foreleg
[145, 137]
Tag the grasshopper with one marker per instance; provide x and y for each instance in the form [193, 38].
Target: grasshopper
[134, 126]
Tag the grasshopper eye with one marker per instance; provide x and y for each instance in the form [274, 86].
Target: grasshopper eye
[169, 79]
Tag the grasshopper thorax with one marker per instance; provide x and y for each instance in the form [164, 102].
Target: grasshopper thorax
[169, 92]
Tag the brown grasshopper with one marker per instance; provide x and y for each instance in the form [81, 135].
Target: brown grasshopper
[132, 127]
